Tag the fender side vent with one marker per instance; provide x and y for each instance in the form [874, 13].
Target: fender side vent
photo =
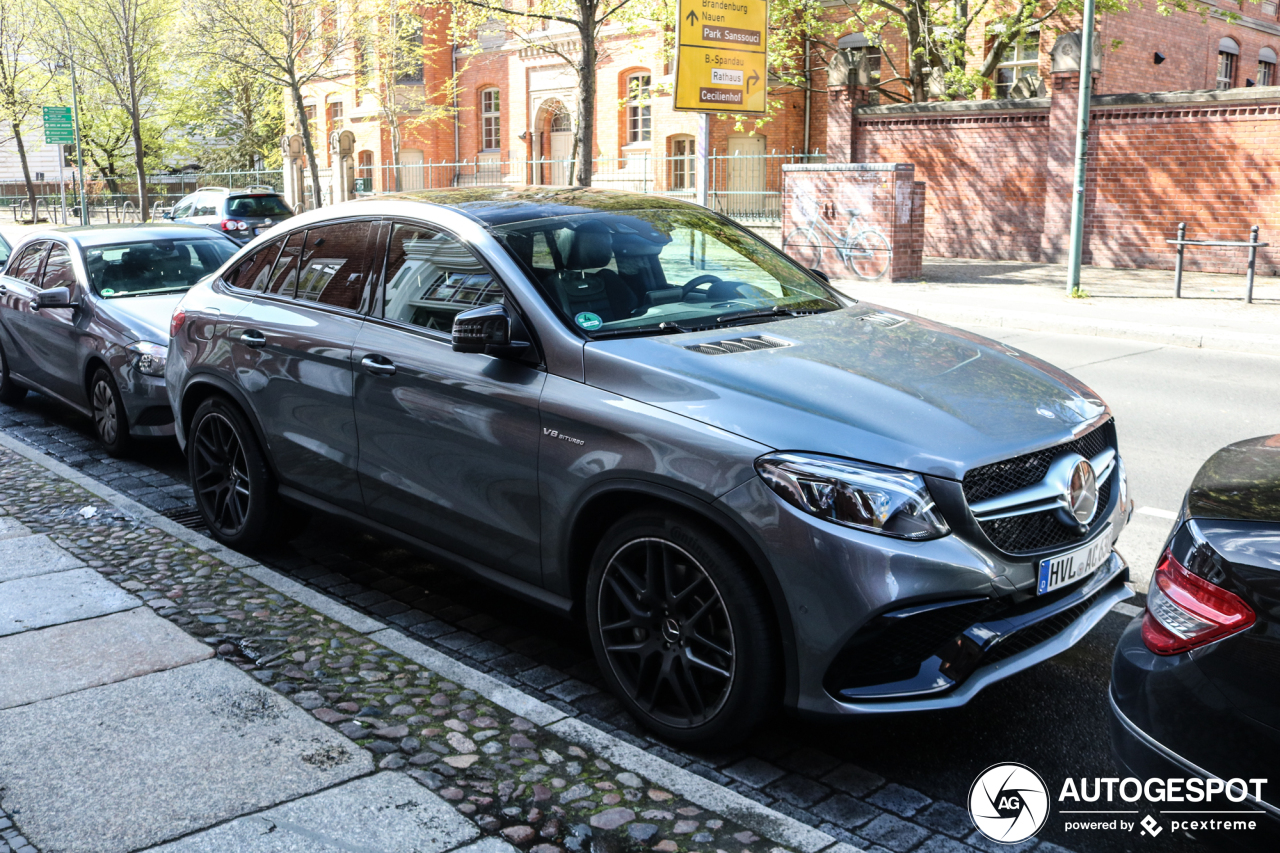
[754, 342]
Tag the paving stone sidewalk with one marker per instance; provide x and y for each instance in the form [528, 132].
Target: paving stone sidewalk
[159, 690]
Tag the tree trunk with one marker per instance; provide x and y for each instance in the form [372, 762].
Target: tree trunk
[915, 56]
[139, 165]
[26, 170]
[584, 142]
[307, 147]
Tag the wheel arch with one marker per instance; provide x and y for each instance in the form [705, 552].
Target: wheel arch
[598, 508]
[201, 387]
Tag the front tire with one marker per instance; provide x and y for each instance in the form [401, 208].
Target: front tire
[681, 630]
[110, 421]
[234, 488]
[11, 393]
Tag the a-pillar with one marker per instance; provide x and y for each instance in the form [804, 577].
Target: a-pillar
[1060, 168]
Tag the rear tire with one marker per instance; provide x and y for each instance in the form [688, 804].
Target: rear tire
[11, 393]
[110, 420]
[681, 630]
[233, 485]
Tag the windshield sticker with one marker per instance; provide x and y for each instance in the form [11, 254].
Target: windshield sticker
[588, 321]
[108, 291]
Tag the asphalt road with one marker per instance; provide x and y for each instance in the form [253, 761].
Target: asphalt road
[1173, 408]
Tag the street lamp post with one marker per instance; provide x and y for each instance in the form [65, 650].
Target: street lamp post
[75, 113]
[1082, 151]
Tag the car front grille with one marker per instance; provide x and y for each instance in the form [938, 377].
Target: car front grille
[1025, 534]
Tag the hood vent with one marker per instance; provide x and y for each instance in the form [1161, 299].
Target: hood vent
[880, 318]
[738, 345]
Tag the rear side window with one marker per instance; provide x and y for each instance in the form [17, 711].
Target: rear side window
[27, 266]
[255, 206]
[335, 266]
[206, 205]
[284, 275]
[431, 276]
[58, 271]
[254, 271]
[183, 208]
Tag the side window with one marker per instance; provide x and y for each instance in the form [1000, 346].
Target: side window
[27, 266]
[335, 265]
[431, 276]
[205, 205]
[254, 271]
[182, 209]
[58, 271]
[284, 275]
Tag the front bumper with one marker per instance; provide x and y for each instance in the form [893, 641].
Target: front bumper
[146, 402]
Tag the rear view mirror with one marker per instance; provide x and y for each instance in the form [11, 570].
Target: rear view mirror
[54, 297]
[486, 330]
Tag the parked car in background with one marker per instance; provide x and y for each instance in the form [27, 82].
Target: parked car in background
[240, 214]
[1195, 684]
[5, 250]
[755, 489]
[84, 318]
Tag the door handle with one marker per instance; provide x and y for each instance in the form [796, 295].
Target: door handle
[253, 339]
[378, 365]
[3, 288]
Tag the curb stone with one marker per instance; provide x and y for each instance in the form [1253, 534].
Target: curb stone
[770, 824]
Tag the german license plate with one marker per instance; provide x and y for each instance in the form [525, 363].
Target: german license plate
[1070, 567]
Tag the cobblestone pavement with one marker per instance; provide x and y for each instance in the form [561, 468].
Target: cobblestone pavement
[515, 780]
[888, 784]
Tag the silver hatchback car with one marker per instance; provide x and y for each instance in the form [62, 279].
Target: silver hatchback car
[751, 488]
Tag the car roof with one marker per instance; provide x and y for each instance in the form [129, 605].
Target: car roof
[502, 206]
[89, 236]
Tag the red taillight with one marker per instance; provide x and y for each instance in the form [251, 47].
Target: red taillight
[234, 225]
[1185, 611]
[175, 322]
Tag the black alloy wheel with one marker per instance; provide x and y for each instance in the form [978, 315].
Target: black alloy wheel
[110, 420]
[680, 630]
[11, 393]
[230, 478]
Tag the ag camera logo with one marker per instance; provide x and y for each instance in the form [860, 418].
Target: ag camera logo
[1009, 803]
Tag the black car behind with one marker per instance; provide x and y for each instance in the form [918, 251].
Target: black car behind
[1195, 689]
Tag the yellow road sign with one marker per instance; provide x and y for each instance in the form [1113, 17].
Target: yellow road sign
[721, 51]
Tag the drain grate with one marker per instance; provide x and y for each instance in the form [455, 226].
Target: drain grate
[188, 517]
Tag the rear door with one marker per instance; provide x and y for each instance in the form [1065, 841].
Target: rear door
[291, 347]
[18, 286]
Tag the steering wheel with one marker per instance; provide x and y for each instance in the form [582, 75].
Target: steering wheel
[693, 283]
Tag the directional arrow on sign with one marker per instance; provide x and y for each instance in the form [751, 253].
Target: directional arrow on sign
[754, 78]
[692, 18]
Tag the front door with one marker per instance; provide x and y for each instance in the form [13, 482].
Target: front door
[292, 351]
[53, 333]
[18, 286]
[448, 441]
[561, 151]
[745, 182]
[411, 176]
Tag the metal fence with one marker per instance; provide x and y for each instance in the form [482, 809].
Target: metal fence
[747, 187]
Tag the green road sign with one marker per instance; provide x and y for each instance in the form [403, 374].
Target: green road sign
[59, 129]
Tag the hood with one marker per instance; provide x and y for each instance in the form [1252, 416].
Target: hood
[1240, 482]
[863, 383]
[146, 317]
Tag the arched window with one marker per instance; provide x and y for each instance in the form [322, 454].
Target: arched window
[1266, 67]
[639, 122]
[1228, 55]
[561, 121]
[334, 114]
[683, 169]
[490, 120]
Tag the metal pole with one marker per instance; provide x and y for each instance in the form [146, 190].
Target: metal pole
[704, 157]
[1253, 261]
[75, 113]
[1082, 150]
[1177, 269]
[62, 185]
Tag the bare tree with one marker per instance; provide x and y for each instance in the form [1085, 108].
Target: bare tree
[291, 43]
[24, 77]
[123, 44]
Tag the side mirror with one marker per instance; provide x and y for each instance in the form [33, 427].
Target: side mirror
[486, 330]
[820, 274]
[54, 297]
[168, 214]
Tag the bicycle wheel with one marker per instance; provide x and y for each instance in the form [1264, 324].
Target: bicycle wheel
[868, 254]
[802, 244]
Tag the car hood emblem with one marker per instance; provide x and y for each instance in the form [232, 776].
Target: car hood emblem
[1082, 493]
[1069, 489]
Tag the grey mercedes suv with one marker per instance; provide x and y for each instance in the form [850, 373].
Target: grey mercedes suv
[628, 409]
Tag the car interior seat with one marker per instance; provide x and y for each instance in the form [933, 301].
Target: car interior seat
[586, 283]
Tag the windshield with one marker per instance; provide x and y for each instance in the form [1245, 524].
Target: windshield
[257, 206]
[643, 271]
[153, 266]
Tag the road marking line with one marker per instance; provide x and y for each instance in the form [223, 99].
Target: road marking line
[1158, 513]
[1126, 609]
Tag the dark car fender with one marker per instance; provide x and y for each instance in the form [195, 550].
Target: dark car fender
[201, 385]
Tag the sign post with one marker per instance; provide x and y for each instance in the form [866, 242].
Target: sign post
[59, 130]
[721, 66]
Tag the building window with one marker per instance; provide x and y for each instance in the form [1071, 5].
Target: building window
[639, 122]
[561, 121]
[1266, 67]
[490, 120]
[1269, 9]
[1021, 59]
[1228, 53]
[334, 109]
[310, 112]
[683, 169]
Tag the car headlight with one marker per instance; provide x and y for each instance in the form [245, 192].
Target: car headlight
[148, 358]
[855, 494]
